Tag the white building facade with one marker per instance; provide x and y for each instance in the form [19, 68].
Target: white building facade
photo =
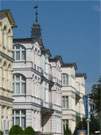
[48, 93]
[6, 43]
[36, 85]
[73, 90]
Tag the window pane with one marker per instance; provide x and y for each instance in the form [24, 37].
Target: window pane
[17, 47]
[17, 112]
[64, 79]
[23, 122]
[18, 88]
[17, 77]
[66, 102]
[65, 122]
[63, 101]
[23, 78]
[23, 87]
[13, 120]
[23, 55]
[17, 55]
[17, 121]
[13, 87]
[23, 112]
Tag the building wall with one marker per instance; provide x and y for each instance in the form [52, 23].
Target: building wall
[74, 89]
[5, 74]
[41, 101]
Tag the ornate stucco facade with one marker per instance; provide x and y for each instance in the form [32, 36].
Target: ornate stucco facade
[73, 90]
[36, 85]
[47, 93]
[6, 43]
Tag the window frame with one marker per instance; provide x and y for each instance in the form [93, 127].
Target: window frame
[65, 102]
[21, 115]
[21, 81]
[65, 79]
[21, 49]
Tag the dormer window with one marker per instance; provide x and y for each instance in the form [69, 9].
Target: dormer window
[19, 53]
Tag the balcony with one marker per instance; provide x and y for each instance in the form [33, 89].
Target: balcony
[26, 99]
[46, 107]
[46, 112]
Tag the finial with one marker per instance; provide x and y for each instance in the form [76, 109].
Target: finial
[36, 13]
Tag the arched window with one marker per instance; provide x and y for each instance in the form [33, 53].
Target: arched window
[19, 53]
[64, 79]
[19, 84]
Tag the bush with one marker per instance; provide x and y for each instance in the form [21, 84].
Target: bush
[29, 131]
[1, 133]
[16, 130]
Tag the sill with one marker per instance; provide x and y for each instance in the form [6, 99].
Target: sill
[18, 95]
[65, 85]
[65, 108]
[19, 60]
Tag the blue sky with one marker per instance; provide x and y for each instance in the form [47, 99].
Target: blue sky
[69, 28]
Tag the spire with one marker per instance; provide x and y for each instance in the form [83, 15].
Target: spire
[36, 14]
[36, 30]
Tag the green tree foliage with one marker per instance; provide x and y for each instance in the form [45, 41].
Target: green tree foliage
[67, 131]
[29, 131]
[82, 125]
[96, 95]
[96, 98]
[16, 130]
[1, 133]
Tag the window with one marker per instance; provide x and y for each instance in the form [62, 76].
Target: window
[19, 84]
[19, 118]
[19, 53]
[64, 79]
[65, 122]
[65, 103]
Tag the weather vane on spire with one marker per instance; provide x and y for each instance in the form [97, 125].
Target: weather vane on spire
[36, 13]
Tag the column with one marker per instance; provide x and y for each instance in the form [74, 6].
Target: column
[29, 118]
[10, 117]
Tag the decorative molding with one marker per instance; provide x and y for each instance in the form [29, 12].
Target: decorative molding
[6, 99]
[6, 56]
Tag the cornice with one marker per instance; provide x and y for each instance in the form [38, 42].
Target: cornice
[6, 98]
[6, 56]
